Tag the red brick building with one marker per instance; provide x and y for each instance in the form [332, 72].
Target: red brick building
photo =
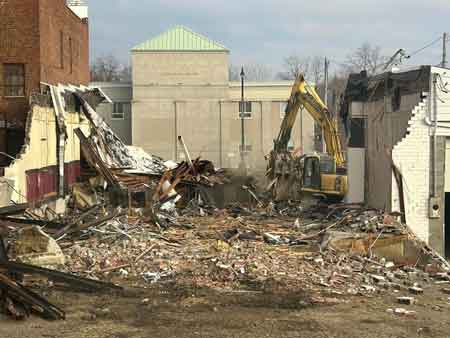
[40, 41]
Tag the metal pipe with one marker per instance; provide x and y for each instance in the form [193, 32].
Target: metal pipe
[186, 152]
[261, 127]
[220, 134]
[7, 155]
[242, 112]
[435, 126]
[176, 129]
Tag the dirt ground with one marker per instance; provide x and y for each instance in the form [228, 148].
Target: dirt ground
[185, 312]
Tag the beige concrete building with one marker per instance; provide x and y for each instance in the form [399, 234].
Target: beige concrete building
[181, 87]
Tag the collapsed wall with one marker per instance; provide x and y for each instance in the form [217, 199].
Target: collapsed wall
[34, 174]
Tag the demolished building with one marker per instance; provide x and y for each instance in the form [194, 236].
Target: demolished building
[406, 115]
[49, 161]
[41, 41]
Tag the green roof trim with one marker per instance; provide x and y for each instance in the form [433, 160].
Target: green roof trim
[180, 38]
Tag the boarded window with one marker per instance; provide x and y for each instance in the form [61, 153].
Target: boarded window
[247, 111]
[61, 49]
[14, 79]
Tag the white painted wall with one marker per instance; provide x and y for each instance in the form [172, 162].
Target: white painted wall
[356, 174]
[447, 166]
[412, 157]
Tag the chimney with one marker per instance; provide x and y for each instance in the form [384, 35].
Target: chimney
[79, 7]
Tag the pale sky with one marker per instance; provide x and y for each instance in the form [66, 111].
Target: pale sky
[266, 31]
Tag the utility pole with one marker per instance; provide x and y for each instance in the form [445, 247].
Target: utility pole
[327, 64]
[444, 50]
[242, 165]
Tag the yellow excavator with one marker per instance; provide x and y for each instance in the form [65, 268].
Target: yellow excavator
[318, 174]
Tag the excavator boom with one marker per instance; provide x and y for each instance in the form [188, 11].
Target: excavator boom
[304, 95]
[319, 174]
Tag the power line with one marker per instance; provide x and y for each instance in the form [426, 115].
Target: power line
[425, 47]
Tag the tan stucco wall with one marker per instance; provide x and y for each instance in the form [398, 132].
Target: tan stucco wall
[40, 151]
[188, 68]
[189, 94]
[212, 129]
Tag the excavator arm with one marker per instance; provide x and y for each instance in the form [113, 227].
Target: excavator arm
[312, 173]
[304, 95]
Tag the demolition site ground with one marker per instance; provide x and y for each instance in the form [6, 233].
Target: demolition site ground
[191, 312]
[244, 273]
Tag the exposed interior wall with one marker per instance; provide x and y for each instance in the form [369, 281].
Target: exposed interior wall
[385, 128]
[34, 173]
[53, 45]
[356, 172]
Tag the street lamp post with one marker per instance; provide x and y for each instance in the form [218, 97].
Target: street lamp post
[242, 112]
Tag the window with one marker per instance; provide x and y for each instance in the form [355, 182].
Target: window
[247, 110]
[120, 109]
[283, 106]
[61, 49]
[71, 55]
[357, 133]
[14, 79]
[247, 147]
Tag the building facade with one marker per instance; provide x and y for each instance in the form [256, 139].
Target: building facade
[181, 87]
[40, 41]
[118, 113]
[407, 148]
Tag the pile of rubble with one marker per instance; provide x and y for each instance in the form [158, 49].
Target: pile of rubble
[223, 251]
[127, 193]
[338, 250]
[137, 220]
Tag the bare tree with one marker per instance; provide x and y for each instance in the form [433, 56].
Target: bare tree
[253, 72]
[233, 73]
[125, 74]
[317, 70]
[367, 58]
[109, 69]
[294, 65]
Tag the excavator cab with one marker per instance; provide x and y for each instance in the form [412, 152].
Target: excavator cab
[320, 177]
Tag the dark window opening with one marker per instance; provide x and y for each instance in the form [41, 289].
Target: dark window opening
[357, 133]
[13, 79]
[396, 99]
[71, 55]
[118, 111]
[247, 111]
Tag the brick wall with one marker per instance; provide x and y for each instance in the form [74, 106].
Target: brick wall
[19, 43]
[64, 44]
[30, 33]
[412, 157]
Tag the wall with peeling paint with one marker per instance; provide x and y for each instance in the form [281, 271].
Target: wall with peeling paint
[34, 173]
